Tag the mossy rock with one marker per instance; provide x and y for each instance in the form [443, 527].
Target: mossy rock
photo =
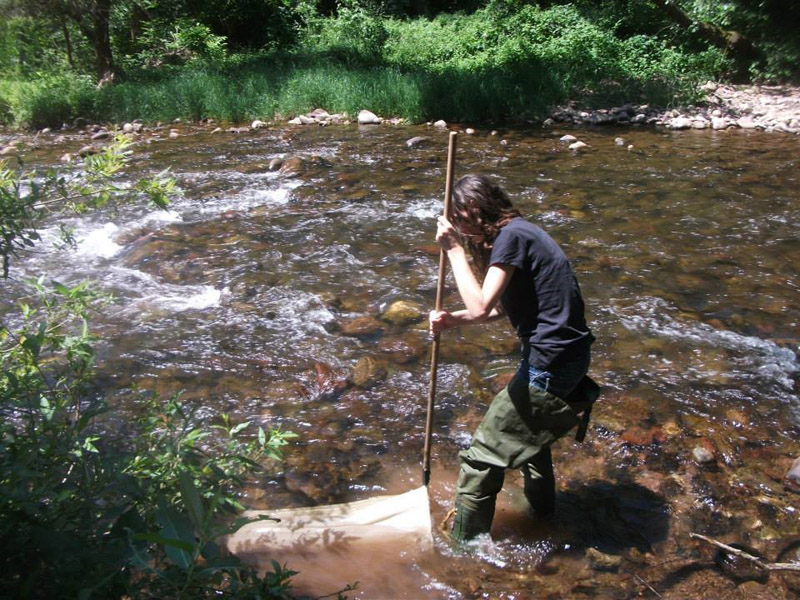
[404, 312]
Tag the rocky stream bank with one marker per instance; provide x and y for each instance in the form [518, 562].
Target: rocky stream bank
[725, 107]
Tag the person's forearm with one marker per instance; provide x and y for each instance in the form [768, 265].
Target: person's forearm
[468, 287]
[463, 317]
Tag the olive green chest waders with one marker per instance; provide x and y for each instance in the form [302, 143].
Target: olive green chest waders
[516, 433]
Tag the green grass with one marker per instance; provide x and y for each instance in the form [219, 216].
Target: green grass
[488, 66]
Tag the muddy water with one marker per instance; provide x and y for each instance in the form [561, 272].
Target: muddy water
[264, 296]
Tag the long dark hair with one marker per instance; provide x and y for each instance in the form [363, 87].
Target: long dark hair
[480, 209]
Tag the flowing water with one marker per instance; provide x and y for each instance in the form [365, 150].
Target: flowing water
[265, 295]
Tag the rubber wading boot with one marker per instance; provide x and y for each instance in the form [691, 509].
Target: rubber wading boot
[470, 523]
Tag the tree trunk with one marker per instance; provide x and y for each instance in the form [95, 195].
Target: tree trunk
[67, 41]
[104, 60]
[93, 19]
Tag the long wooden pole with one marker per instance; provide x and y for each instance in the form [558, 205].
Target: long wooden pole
[448, 188]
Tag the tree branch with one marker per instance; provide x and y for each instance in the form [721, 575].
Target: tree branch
[793, 566]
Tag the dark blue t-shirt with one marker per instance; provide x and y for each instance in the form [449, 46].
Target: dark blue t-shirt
[542, 299]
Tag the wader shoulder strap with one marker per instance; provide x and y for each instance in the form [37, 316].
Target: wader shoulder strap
[584, 395]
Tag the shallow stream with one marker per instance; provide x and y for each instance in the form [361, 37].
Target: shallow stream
[259, 294]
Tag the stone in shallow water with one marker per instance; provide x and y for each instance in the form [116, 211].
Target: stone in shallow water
[792, 478]
[403, 312]
[578, 146]
[362, 326]
[790, 553]
[643, 437]
[601, 561]
[417, 141]
[403, 350]
[292, 167]
[366, 117]
[679, 123]
[367, 372]
[702, 455]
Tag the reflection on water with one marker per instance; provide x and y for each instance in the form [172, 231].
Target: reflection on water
[262, 295]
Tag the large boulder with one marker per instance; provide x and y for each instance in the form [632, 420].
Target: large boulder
[366, 117]
[679, 123]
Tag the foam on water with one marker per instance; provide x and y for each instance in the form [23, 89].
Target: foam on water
[99, 242]
[292, 310]
[424, 209]
[250, 198]
[146, 295]
[654, 317]
[181, 298]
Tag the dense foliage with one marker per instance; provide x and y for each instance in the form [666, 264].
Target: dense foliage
[461, 59]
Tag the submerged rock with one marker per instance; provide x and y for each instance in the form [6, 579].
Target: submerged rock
[88, 151]
[327, 380]
[600, 561]
[403, 312]
[361, 326]
[702, 455]
[643, 437]
[403, 350]
[367, 373]
[739, 568]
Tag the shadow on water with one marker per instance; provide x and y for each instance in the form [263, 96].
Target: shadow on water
[610, 517]
[614, 516]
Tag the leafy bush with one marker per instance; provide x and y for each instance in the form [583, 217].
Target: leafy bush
[547, 55]
[167, 42]
[198, 40]
[355, 35]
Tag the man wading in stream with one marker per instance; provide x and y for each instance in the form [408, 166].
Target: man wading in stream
[527, 277]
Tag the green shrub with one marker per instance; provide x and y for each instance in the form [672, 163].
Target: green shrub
[49, 100]
[355, 35]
